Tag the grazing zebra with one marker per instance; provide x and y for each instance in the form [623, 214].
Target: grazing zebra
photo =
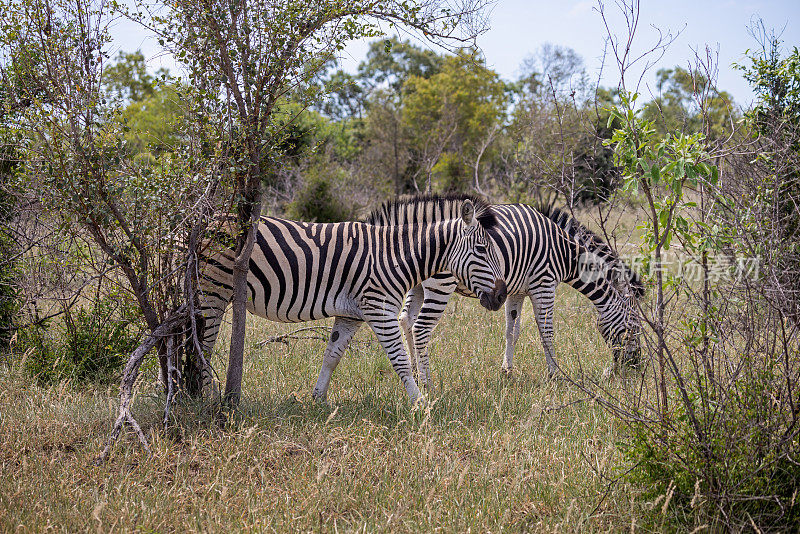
[357, 273]
[538, 249]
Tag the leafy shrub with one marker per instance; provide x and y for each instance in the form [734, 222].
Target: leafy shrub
[451, 174]
[91, 345]
[720, 447]
[775, 119]
[596, 176]
[9, 296]
[9, 303]
[317, 202]
[742, 467]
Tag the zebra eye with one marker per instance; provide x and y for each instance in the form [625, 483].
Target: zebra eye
[480, 249]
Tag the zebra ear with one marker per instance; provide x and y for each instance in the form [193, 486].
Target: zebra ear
[468, 212]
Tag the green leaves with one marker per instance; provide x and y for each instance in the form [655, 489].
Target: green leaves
[655, 174]
[458, 108]
[662, 166]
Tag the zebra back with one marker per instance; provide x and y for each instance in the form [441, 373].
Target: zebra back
[594, 244]
[426, 208]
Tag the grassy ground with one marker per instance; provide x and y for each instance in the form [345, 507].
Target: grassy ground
[489, 454]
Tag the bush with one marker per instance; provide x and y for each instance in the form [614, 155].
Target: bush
[744, 467]
[89, 346]
[775, 121]
[9, 296]
[451, 174]
[317, 202]
[719, 446]
[596, 176]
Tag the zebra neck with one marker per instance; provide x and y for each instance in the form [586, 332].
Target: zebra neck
[416, 252]
[594, 284]
[601, 292]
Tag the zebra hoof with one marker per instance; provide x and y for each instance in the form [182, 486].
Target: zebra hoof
[419, 404]
[507, 371]
[319, 398]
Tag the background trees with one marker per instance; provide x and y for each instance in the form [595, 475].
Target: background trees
[678, 108]
[452, 117]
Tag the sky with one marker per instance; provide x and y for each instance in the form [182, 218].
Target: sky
[518, 28]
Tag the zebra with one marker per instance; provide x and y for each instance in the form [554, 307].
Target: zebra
[538, 249]
[355, 272]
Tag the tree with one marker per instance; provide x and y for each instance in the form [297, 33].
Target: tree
[151, 109]
[344, 97]
[389, 63]
[451, 118]
[155, 123]
[127, 79]
[554, 69]
[677, 109]
[554, 127]
[76, 170]
[369, 105]
[252, 53]
[775, 119]
[392, 62]
[662, 167]
[386, 151]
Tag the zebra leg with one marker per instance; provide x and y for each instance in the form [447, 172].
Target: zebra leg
[208, 327]
[408, 316]
[513, 320]
[437, 295]
[343, 331]
[387, 330]
[543, 301]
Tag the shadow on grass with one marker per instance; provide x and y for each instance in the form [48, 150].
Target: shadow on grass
[465, 402]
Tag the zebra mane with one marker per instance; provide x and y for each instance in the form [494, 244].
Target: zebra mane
[413, 209]
[593, 243]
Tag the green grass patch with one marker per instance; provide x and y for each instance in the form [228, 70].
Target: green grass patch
[487, 453]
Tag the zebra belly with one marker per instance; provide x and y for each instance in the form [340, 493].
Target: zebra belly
[340, 307]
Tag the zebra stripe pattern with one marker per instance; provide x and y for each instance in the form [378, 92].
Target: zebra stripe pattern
[355, 272]
[537, 250]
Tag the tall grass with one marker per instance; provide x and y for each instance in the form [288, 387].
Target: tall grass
[487, 453]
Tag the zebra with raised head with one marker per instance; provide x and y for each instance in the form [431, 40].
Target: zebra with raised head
[357, 273]
[538, 249]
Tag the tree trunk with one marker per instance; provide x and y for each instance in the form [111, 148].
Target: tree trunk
[192, 371]
[241, 265]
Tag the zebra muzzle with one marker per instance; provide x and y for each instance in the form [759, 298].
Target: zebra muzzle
[493, 300]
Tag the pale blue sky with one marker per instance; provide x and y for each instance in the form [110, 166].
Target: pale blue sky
[520, 27]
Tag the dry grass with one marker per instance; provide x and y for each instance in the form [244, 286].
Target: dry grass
[489, 454]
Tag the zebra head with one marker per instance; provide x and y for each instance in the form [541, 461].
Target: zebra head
[614, 288]
[619, 320]
[621, 332]
[473, 259]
